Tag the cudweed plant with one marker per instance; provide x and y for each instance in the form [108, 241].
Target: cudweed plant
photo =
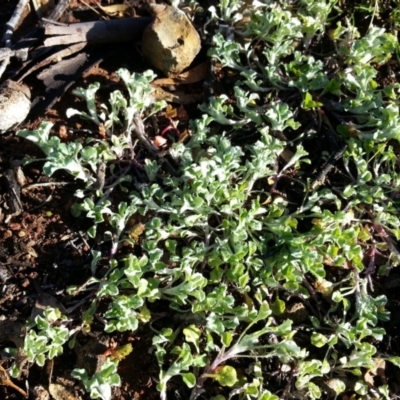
[47, 340]
[83, 162]
[221, 248]
[100, 384]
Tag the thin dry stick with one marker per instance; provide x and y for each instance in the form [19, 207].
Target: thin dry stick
[11, 25]
[59, 10]
[6, 381]
[42, 184]
[57, 56]
[14, 22]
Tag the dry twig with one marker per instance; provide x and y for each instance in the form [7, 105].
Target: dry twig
[10, 27]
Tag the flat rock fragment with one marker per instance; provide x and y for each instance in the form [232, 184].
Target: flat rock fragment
[63, 389]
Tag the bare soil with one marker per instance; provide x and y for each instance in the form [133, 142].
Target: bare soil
[47, 244]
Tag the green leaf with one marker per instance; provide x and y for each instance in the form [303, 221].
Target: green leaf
[318, 340]
[189, 379]
[394, 360]
[192, 335]
[309, 103]
[337, 385]
[268, 396]
[278, 306]
[226, 338]
[226, 375]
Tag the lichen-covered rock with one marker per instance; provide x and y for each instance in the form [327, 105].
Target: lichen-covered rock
[170, 42]
[15, 104]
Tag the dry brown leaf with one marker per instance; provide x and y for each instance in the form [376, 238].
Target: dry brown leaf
[378, 369]
[136, 231]
[193, 75]
[182, 113]
[62, 132]
[118, 10]
[170, 111]
[286, 154]
[176, 97]
[43, 302]
[102, 131]
[184, 136]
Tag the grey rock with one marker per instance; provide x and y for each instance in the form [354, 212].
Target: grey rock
[171, 42]
[15, 104]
